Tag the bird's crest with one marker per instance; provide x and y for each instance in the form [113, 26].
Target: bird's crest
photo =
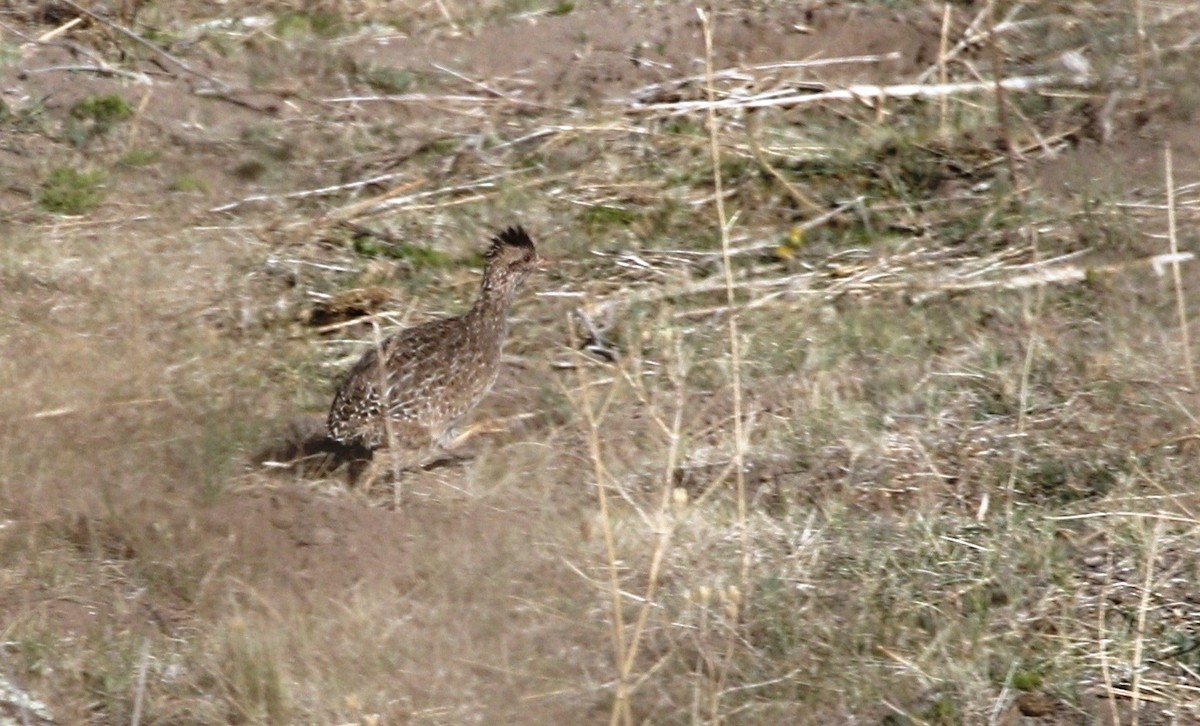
[511, 237]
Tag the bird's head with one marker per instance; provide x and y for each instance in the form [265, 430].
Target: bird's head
[511, 257]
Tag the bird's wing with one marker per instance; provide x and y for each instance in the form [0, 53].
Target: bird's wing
[409, 369]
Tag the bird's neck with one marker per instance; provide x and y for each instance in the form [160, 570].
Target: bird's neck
[495, 295]
[489, 314]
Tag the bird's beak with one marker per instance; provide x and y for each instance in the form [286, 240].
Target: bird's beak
[545, 263]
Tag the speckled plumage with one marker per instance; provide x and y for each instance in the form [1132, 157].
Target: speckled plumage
[431, 375]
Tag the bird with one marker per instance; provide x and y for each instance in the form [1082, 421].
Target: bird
[406, 395]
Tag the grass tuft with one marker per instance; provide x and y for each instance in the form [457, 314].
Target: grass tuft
[66, 190]
[96, 116]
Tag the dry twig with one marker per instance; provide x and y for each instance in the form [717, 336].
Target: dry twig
[1176, 277]
[868, 93]
[147, 44]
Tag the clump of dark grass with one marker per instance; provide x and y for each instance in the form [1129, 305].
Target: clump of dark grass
[67, 190]
[96, 116]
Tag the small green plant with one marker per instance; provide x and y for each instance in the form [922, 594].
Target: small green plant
[10, 54]
[157, 35]
[1026, 680]
[605, 215]
[1185, 648]
[291, 26]
[140, 157]
[417, 256]
[188, 183]
[682, 126]
[441, 147]
[96, 116]
[70, 191]
[109, 677]
[943, 711]
[253, 675]
[387, 79]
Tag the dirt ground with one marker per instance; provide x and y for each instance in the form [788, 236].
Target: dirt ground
[154, 342]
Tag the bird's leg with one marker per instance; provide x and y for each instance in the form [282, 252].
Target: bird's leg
[384, 463]
[458, 438]
[364, 472]
[393, 460]
[443, 450]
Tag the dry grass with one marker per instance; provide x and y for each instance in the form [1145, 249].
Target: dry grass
[871, 410]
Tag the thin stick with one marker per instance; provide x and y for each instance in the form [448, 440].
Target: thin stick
[1002, 114]
[54, 33]
[942, 67]
[485, 87]
[1004, 698]
[143, 42]
[735, 348]
[389, 430]
[1102, 639]
[420, 98]
[703, 594]
[319, 191]
[98, 70]
[972, 37]
[1130, 514]
[1140, 19]
[75, 410]
[859, 92]
[76, 49]
[666, 527]
[140, 693]
[761, 158]
[1031, 317]
[621, 711]
[1143, 607]
[1177, 278]
[744, 73]
[735, 345]
[350, 210]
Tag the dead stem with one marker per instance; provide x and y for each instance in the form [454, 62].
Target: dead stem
[1176, 277]
[737, 604]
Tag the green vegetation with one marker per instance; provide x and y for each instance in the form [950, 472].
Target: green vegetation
[22, 119]
[321, 23]
[96, 116]
[189, 184]
[386, 79]
[1025, 680]
[65, 190]
[606, 215]
[418, 256]
[140, 157]
[10, 54]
